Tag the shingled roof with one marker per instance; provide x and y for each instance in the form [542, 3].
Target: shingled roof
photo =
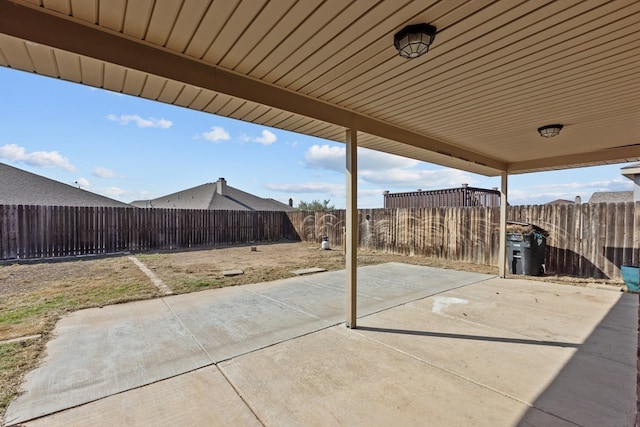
[611, 197]
[213, 196]
[19, 187]
[560, 202]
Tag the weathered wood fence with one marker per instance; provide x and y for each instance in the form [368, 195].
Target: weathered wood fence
[28, 232]
[588, 240]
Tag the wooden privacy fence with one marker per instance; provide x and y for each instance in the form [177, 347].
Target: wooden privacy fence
[588, 240]
[465, 234]
[28, 232]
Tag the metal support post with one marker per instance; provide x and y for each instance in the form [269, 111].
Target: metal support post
[502, 252]
[351, 245]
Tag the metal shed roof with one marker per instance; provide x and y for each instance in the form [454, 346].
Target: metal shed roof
[496, 72]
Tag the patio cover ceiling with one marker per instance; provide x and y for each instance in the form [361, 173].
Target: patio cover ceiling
[496, 72]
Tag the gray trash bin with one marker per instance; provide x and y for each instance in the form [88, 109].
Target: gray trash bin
[525, 249]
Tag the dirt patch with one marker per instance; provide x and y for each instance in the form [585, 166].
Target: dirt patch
[192, 271]
[21, 278]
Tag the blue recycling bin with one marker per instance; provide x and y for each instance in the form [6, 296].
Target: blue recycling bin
[631, 276]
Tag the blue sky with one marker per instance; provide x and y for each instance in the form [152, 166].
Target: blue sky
[129, 148]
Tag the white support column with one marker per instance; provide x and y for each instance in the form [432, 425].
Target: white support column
[351, 244]
[502, 252]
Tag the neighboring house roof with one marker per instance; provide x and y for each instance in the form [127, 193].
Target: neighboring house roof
[19, 187]
[611, 196]
[213, 196]
[559, 202]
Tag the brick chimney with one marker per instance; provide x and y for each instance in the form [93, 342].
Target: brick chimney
[221, 186]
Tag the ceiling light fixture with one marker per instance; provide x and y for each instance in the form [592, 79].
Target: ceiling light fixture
[414, 40]
[549, 131]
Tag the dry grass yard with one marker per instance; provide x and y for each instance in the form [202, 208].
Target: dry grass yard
[33, 296]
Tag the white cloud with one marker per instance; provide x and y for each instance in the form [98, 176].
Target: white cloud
[616, 184]
[312, 191]
[216, 134]
[371, 159]
[419, 178]
[385, 169]
[544, 193]
[123, 195]
[308, 187]
[326, 157]
[141, 122]
[335, 192]
[83, 183]
[267, 138]
[101, 172]
[44, 159]
[334, 158]
[113, 192]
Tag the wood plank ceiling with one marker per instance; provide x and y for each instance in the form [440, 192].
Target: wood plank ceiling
[496, 72]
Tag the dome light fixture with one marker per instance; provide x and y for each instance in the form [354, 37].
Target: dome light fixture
[550, 131]
[414, 40]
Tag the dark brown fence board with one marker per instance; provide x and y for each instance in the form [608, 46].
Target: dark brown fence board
[4, 229]
[28, 232]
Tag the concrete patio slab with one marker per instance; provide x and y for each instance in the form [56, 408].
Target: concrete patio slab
[339, 377]
[394, 284]
[591, 391]
[183, 400]
[471, 350]
[434, 347]
[561, 298]
[312, 297]
[229, 322]
[103, 351]
[529, 320]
